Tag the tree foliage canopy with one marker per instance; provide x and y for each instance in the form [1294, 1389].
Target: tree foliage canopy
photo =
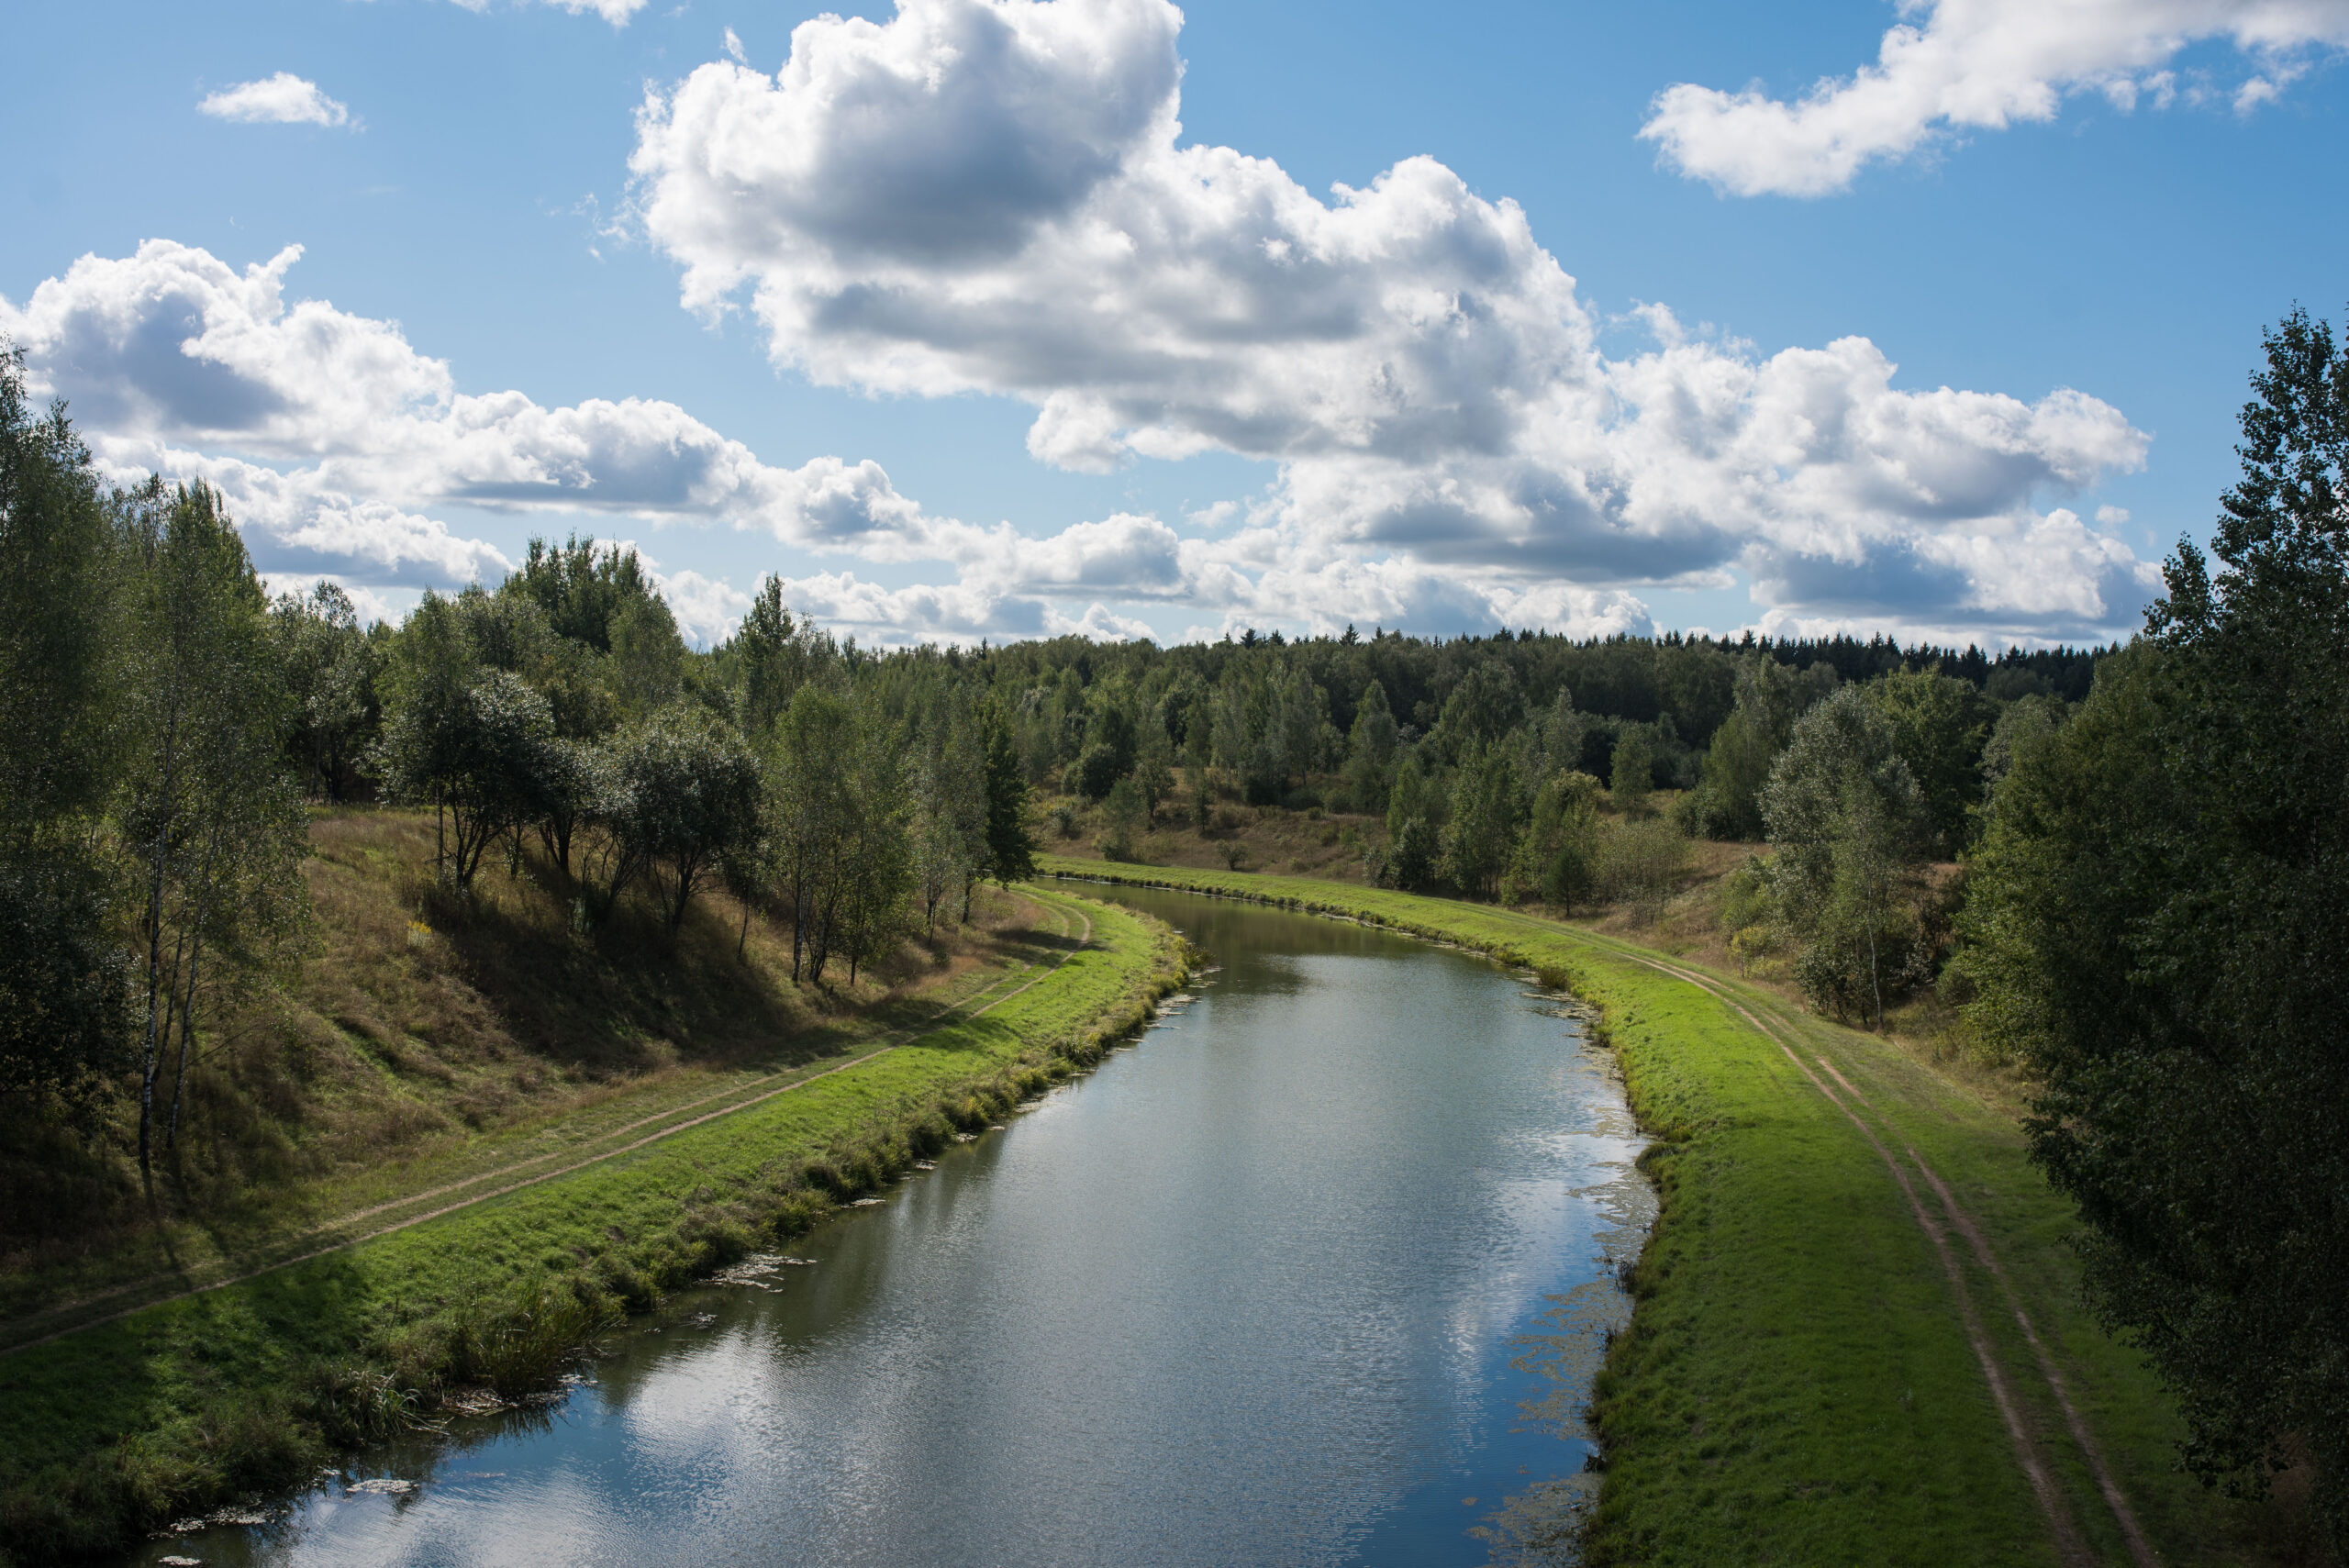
[2160, 932]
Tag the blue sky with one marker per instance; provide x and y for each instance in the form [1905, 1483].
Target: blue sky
[1408, 414]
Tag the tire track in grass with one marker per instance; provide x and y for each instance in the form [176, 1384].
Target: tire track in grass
[2069, 1544]
[2141, 1550]
[909, 1033]
[2068, 1540]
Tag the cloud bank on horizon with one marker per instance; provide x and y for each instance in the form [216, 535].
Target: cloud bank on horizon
[1981, 65]
[992, 197]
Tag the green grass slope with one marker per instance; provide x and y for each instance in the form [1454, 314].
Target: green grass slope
[1817, 1350]
[424, 1041]
[116, 1426]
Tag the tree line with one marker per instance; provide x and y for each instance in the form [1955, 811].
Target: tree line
[2124, 871]
[1532, 767]
[170, 724]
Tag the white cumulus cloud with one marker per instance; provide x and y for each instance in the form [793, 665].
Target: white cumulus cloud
[282, 99]
[334, 438]
[1957, 65]
[990, 196]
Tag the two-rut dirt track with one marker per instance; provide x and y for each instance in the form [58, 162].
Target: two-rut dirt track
[2041, 1419]
[364, 1225]
[2030, 1445]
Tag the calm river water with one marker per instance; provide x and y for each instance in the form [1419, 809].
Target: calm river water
[1313, 1273]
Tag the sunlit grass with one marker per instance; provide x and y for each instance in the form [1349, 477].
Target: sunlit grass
[1795, 1386]
[111, 1429]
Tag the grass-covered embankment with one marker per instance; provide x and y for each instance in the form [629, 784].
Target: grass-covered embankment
[118, 1426]
[426, 1040]
[1822, 1364]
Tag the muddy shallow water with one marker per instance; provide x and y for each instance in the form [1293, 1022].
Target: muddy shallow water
[1316, 1273]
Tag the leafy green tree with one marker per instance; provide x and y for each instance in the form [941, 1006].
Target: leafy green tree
[1556, 737]
[1297, 731]
[2026, 724]
[949, 825]
[1127, 816]
[216, 828]
[572, 677]
[1010, 838]
[1112, 735]
[811, 764]
[1557, 855]
[1486, 807]
[1485, 707]
[331, 665]
[1849, 827]
[1153, 773]
[1630, 773]
[647, 664]
[1413, 844]
[970, 727]
[580, 590]
[1726, 803]
[877, 870]
[1939, 723]
[692, 800]
[2157, 932]
[772, 656]
[1096, 770]
[1236, 718]
[1371, 750]
[66, 1014]
[482, 748]
[1638, 863]
[1196, 774]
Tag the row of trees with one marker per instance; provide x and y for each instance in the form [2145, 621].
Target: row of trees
[2157, 933]
[850, 795]
[1498, 787]
[166, 721]
[151, 836]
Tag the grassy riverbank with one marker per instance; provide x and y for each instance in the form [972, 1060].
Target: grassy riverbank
[425, 1039]
[118, 1426]
[1857, 1335]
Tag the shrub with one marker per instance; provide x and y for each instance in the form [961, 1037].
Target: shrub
[1640, 862]
[1097, 769]
[1128, 814]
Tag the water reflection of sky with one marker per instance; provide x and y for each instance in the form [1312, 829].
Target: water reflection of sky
[1290, 1282]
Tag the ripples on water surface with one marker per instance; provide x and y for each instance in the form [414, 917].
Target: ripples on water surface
[1314, 1275]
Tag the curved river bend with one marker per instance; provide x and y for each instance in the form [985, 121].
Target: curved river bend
[1315, 1273]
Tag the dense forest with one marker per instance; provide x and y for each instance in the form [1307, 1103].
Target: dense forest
[2122, 872]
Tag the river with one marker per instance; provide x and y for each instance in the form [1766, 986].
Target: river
[1314, 1272]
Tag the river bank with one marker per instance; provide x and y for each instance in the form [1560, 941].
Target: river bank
[190, 1402]
[1857, 1335]
[1312, 1273]
[428, 1042]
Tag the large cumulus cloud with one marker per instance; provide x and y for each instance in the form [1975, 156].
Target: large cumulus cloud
[333, 436]
[992, 195]
[336, 440]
